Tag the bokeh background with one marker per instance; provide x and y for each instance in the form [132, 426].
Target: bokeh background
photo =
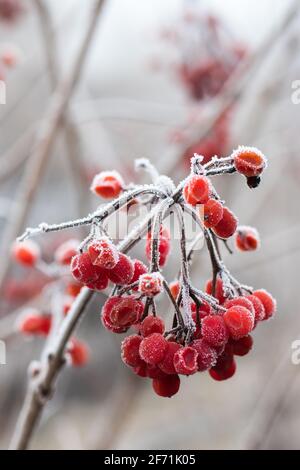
[132, 102]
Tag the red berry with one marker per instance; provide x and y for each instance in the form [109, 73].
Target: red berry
[122, 312]
[219, 291]
[141, 370]
[150, 284]
[167, 364]
[103, 253]
[101, 282]
[35, 323]
[73, 288]
[249, 161]
[214, 330]
[79, 353]
[225, 373]
[152, 325]
[139, 268]
[185, 361]
[167, 386]
[114, 329]
[259, 310]
[247, 239]
[130, 351]
[268, 302]
[241, 301]
[213, 213]
[163, 245]
[26, 253]
[197, 190]
[66, 251]
[153, 348]
[207, 355]
[122, 273]
[82, 269]
[242, 346]
[227, 225]
[239, 321]
[107, 184]
[154, 372]
[175, 289]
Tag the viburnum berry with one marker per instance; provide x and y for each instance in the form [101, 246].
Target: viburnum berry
[122, 273]
[167, 364]
[121, 312]
[259, 311]
[35, 323]
[141, 370]
[227, 225]
[66, 251]
[153, 348]
[107, 184]
[152, 325]
[214, 330]
[207, 355]
[114, 329]
[150, 284]
[268, 302]
[212, 213]
[139, 268]
[239, 321]
[197, 190]
[163, 245]
[185, 361]
[247, 238]
[223, 371]
[242, 346]
[79, 353]
[83, 269]
[130, 351]
[249, 161]
[175, 289]
[103, 253]
[241, 301]
[26, 253]
[219, 291]
[166, 386]
[154, 372]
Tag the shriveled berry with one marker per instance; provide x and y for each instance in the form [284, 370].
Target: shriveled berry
[253, 181]
[185, 361]
[167, 386]
[65, 252]
[152, 325]
[219, 291]
[197, 190]
[242, 346]
[207, 355]
[150, 284]
[167, 364]
[35, 323]
[103, 253]
[227, 225]
[107, 184]
[268, 302]
[26, 253]
[249, 161]
[239, 321]
[130, 351]
[247, 238]
[259, 310]
[122, 312]
[79, 353]
[213, 213]
[122, 273]
[153, 348]
[214, 330]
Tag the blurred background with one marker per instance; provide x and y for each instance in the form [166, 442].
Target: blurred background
[161, 80]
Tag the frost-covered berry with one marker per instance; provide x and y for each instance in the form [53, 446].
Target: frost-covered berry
[26, 253]
[122, 273]
[241, 301]
[82, 269]
[185, 361]
[239, 321]
[139, 268]
[212, 213]
[242, 346]
[103, 253]
[227, 225]
[268, 302]
[167, 364]
[247, 238]
[150, 284]
[79, 353]
[219, 291]
[34, 323]
[66, 251]
[130, 351]
[153, 348]
[197, 190]
[167, 386]
[122, 312]
[249, 161]
[107, 184]
[101, 282]
[259, 311]
[214, 330]
[152, 325]
[207, 355]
